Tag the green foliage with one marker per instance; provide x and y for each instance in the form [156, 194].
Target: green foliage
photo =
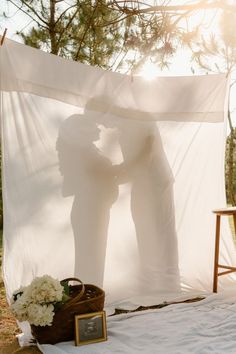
[66, 287]
[1, 203]
[86, 31]
[35, 38]
[111, 35]
[230, 167]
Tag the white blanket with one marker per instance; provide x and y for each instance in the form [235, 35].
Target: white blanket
[203, 327]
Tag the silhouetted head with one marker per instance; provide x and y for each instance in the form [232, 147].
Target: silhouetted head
[79, 130]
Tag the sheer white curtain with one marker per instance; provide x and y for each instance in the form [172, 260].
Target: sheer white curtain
[108, 178]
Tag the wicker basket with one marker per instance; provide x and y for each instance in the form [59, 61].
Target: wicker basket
[85, 298]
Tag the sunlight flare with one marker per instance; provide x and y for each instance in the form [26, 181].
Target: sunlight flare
[149, 71]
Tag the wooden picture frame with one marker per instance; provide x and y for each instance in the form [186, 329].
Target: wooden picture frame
[90, 328]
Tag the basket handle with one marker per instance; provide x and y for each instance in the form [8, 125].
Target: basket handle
[77, 297]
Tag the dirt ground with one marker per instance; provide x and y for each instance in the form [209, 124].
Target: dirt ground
[14, 348]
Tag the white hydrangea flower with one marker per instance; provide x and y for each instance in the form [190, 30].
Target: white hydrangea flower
[35, 303]
[40, 315]
[20, 308]
[17, 293]
[45, 289]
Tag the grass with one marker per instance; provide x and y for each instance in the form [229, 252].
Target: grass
[8, 327]
[231, 223]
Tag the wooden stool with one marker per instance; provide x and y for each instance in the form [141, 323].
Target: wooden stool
[219, 213]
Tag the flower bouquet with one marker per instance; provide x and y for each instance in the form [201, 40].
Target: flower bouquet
[50, 305]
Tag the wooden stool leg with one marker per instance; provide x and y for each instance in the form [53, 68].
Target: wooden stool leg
[217, 247]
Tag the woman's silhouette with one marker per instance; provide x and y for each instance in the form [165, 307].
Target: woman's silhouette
[89, 176]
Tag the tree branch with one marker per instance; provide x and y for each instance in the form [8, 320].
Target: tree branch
[86, 29]
[117, 20]
[201, 5]
[67, 26]
[33, 11]
[64, 12]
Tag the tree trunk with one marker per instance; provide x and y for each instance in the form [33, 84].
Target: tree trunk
[52, 29]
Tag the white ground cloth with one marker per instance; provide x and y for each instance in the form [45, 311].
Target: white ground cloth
[119, 172]
[204, 327]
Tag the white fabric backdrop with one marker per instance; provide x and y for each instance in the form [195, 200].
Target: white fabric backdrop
[110, 178]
